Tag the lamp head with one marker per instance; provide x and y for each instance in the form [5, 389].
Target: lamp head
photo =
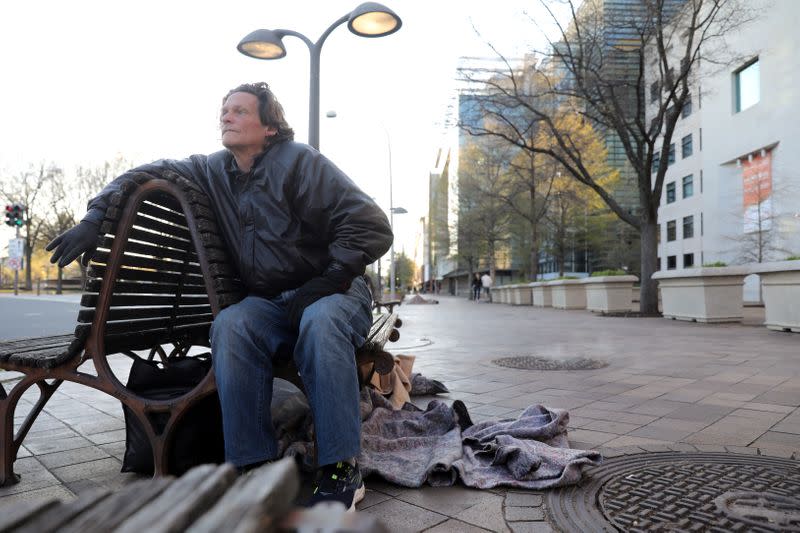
[372, 19]
[262, 44]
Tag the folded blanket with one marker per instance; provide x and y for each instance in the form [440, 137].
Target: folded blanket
[531, 452]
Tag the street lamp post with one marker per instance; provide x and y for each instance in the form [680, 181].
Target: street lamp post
[392, 211]
[369, 19]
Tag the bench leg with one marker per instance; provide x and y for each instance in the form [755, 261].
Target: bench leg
[11, 443]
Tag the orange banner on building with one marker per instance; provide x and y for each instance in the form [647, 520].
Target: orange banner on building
[757, 192]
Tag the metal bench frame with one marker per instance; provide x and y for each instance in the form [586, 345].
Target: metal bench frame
[66, 353]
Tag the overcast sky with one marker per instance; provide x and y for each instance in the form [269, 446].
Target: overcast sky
[85, 80]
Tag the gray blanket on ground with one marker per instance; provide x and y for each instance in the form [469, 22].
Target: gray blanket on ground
[411, 447]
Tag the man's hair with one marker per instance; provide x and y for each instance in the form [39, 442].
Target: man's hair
[270, 111]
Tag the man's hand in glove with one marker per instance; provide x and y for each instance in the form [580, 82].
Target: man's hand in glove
[336, 279]
[82, 239]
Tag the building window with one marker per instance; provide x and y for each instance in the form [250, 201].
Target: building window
[671, 156]
[687, 108]
[656, 161]
[686, 146]
[670, 192]
[654, 90]
[688, 227]
[671, 232]
[688, 260]
[658, 233]
[658, 263]
[672, 262]
[747, 86]
[701, 224]
[688, 186]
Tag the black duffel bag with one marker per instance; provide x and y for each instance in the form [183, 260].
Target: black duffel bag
[198, 436]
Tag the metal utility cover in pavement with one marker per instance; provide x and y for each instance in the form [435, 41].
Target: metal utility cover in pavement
[671, 491]
[533, 362]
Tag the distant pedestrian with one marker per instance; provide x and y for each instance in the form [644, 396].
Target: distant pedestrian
[486, 281]
[476, 287]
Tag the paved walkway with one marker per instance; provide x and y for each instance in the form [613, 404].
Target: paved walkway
[668, 385]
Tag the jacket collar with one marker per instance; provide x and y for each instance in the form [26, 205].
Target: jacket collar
[233, 168]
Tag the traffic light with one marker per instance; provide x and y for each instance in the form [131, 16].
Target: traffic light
[19, 214]
[15, 215]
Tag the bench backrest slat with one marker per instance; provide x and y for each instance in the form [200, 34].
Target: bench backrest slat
[160, 294]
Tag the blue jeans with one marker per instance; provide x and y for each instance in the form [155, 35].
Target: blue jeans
[245, 340]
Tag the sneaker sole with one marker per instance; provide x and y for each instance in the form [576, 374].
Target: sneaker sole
[357, 497]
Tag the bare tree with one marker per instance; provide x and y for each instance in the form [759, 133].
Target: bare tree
[58, 217]
[29, 188]
[759, 240]
[629, 73]
[91, 180]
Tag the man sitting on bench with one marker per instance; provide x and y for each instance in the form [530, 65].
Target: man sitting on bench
[301, 234]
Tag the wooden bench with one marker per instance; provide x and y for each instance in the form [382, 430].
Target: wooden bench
[160, 275]
[207, 498]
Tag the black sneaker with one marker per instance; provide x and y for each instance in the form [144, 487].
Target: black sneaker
[338, 482]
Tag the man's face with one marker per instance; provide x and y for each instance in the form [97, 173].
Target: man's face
[240, 124]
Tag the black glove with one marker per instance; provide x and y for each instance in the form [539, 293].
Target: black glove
[82, 239]
[336, 279]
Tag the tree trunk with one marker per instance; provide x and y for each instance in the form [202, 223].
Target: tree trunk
[534, 270]
[648, 295]
[491, 260]
[59, 280]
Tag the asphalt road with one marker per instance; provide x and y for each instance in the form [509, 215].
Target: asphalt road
[34, 316]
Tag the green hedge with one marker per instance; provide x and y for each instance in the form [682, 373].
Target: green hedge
[609, 272]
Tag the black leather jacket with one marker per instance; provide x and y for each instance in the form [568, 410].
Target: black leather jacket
[287, 219]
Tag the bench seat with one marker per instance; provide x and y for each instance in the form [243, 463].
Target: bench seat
[160, 275]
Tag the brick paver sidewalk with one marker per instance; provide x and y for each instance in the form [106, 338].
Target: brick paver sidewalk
[668, 385]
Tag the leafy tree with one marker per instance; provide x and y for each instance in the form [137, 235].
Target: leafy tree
[599, 68]
[404, 270]
[484, 217]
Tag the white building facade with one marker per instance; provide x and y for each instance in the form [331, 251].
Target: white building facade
[732, 190]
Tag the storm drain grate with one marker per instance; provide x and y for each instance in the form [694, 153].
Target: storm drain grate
[533, 362]
[713, 492]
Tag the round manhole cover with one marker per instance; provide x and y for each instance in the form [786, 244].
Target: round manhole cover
[533, 362]
[712, 492]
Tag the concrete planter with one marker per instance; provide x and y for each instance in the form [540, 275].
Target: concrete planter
[708, 294]
[541, 294]
[500, 294]
[780, 289]
[568, 294]
[609, 294]
[521, 294]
